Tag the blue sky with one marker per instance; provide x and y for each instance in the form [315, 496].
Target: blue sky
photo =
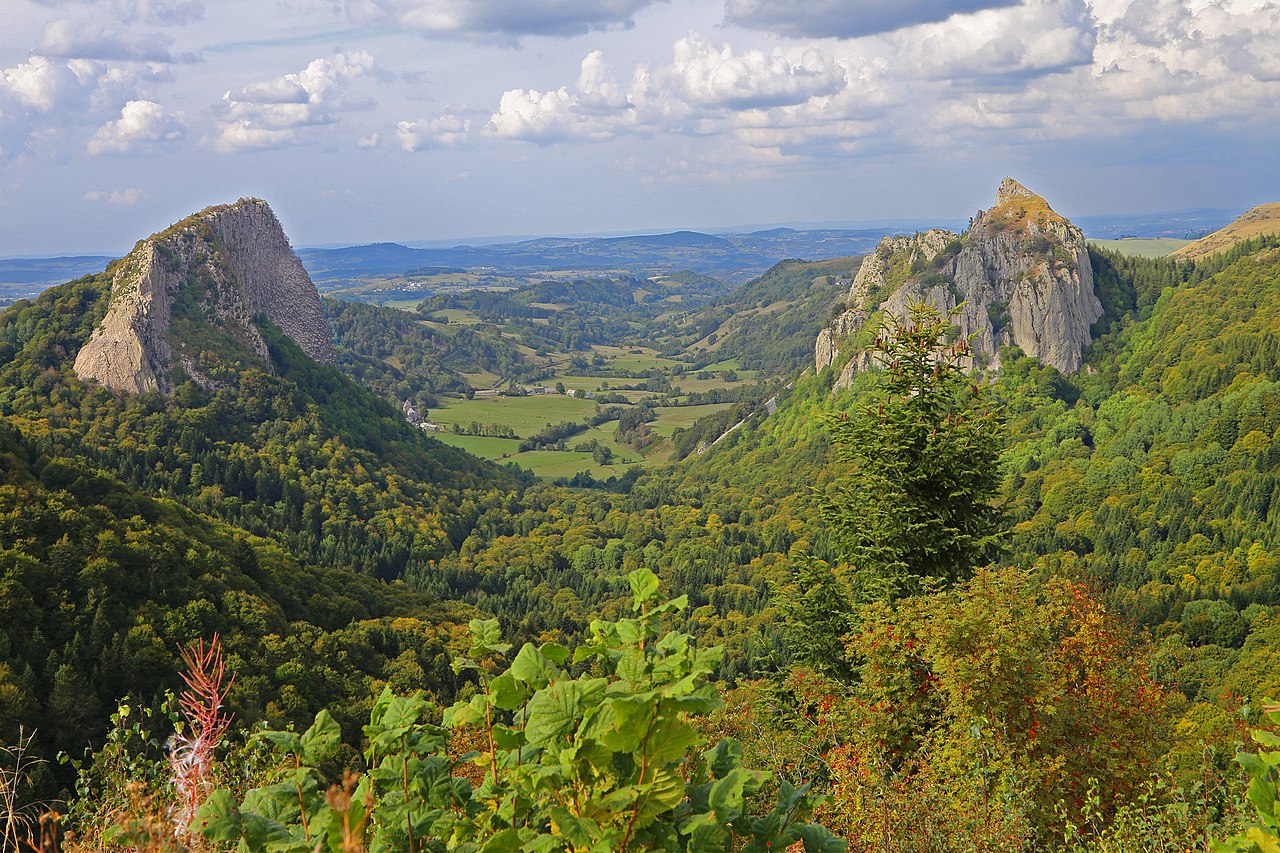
[364, 120]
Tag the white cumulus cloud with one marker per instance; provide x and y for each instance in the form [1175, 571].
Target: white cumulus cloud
[422, 134]
[275, 112]
[142, 124]
[703, 74]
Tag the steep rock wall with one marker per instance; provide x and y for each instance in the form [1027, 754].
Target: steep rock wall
[212, 271]
[1020, 275]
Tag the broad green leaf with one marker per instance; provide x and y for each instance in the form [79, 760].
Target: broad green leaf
[532, 667]
[218, 819]
[579, 832]
[286, 741]
[728, 794]
[319, 741]
[507, 841]
[724, 757]
[705, 834]
[506, 737]
[259, 833]
[818, 839]
[507, 693]
[1266, 842]
[485, 632]
[644, 586]
[632, 719]
[554, 652]
[1266, 738]
[555, 712]
[669, 739]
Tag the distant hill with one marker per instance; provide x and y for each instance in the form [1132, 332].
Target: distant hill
[734, 258]
[1259, 221]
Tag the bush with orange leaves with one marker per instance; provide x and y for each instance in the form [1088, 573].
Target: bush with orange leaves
[987, 717]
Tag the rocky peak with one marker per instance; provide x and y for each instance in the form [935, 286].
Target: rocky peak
[1011, 189]
[1020, 275]
[183, 303]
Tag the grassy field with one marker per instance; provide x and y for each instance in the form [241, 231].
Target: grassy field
[456, 315]
[688, 384]
[1143, 247]
[484, 379]
[670, 417]
[550, 464]
[479, 445]
[525, 415]
[579, 383]
[634, 358]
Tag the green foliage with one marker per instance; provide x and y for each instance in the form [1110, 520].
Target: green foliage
[917, 506]
[606, 760]
[1263, 769]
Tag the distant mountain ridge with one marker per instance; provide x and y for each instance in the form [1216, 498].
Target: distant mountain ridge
[732, 257]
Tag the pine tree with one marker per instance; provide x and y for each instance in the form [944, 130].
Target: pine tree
[917, 509]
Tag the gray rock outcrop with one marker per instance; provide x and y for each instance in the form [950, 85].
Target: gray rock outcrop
[1020, 275]
[213, 271]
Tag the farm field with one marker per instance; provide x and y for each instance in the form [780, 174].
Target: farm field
[525, 415]
[1143, 247]
[480, 445]
[670, 417]
[552, 464]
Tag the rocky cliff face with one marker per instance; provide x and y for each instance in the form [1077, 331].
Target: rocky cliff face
[183, 302]
[1020, 275]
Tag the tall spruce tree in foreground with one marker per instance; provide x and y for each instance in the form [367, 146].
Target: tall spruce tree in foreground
[916, 511]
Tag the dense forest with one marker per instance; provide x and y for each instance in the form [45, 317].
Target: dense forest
[932, 611]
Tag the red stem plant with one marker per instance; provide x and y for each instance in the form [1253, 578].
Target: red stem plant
[192, 754]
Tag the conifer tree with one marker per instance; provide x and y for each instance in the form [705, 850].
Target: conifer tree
[917, 509]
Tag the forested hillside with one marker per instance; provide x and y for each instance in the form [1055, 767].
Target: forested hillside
[1083, 691]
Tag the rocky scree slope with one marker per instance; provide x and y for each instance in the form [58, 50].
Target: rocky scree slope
[183, 303]
[1020, 275]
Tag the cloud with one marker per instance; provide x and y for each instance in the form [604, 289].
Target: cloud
[155, 12]
[500, 18]
[276, 112]
[541, 117]
[39, 83]
[142, 124]
[69, 39]
[845, 19]
[116, 197]
[704, 75]
[700, 86]
[445, 131]
[1001, 47]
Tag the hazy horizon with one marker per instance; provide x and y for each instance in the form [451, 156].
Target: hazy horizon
[427, 120]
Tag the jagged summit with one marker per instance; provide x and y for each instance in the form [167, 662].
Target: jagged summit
[1020, 275]
[183, 303]
[1011, 189]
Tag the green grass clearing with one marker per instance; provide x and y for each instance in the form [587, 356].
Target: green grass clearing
[670, 417]
[525, 415]
[479, 445]
[1143, 247]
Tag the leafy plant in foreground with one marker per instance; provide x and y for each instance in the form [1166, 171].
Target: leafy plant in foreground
[1263, 768]
[602, 761]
